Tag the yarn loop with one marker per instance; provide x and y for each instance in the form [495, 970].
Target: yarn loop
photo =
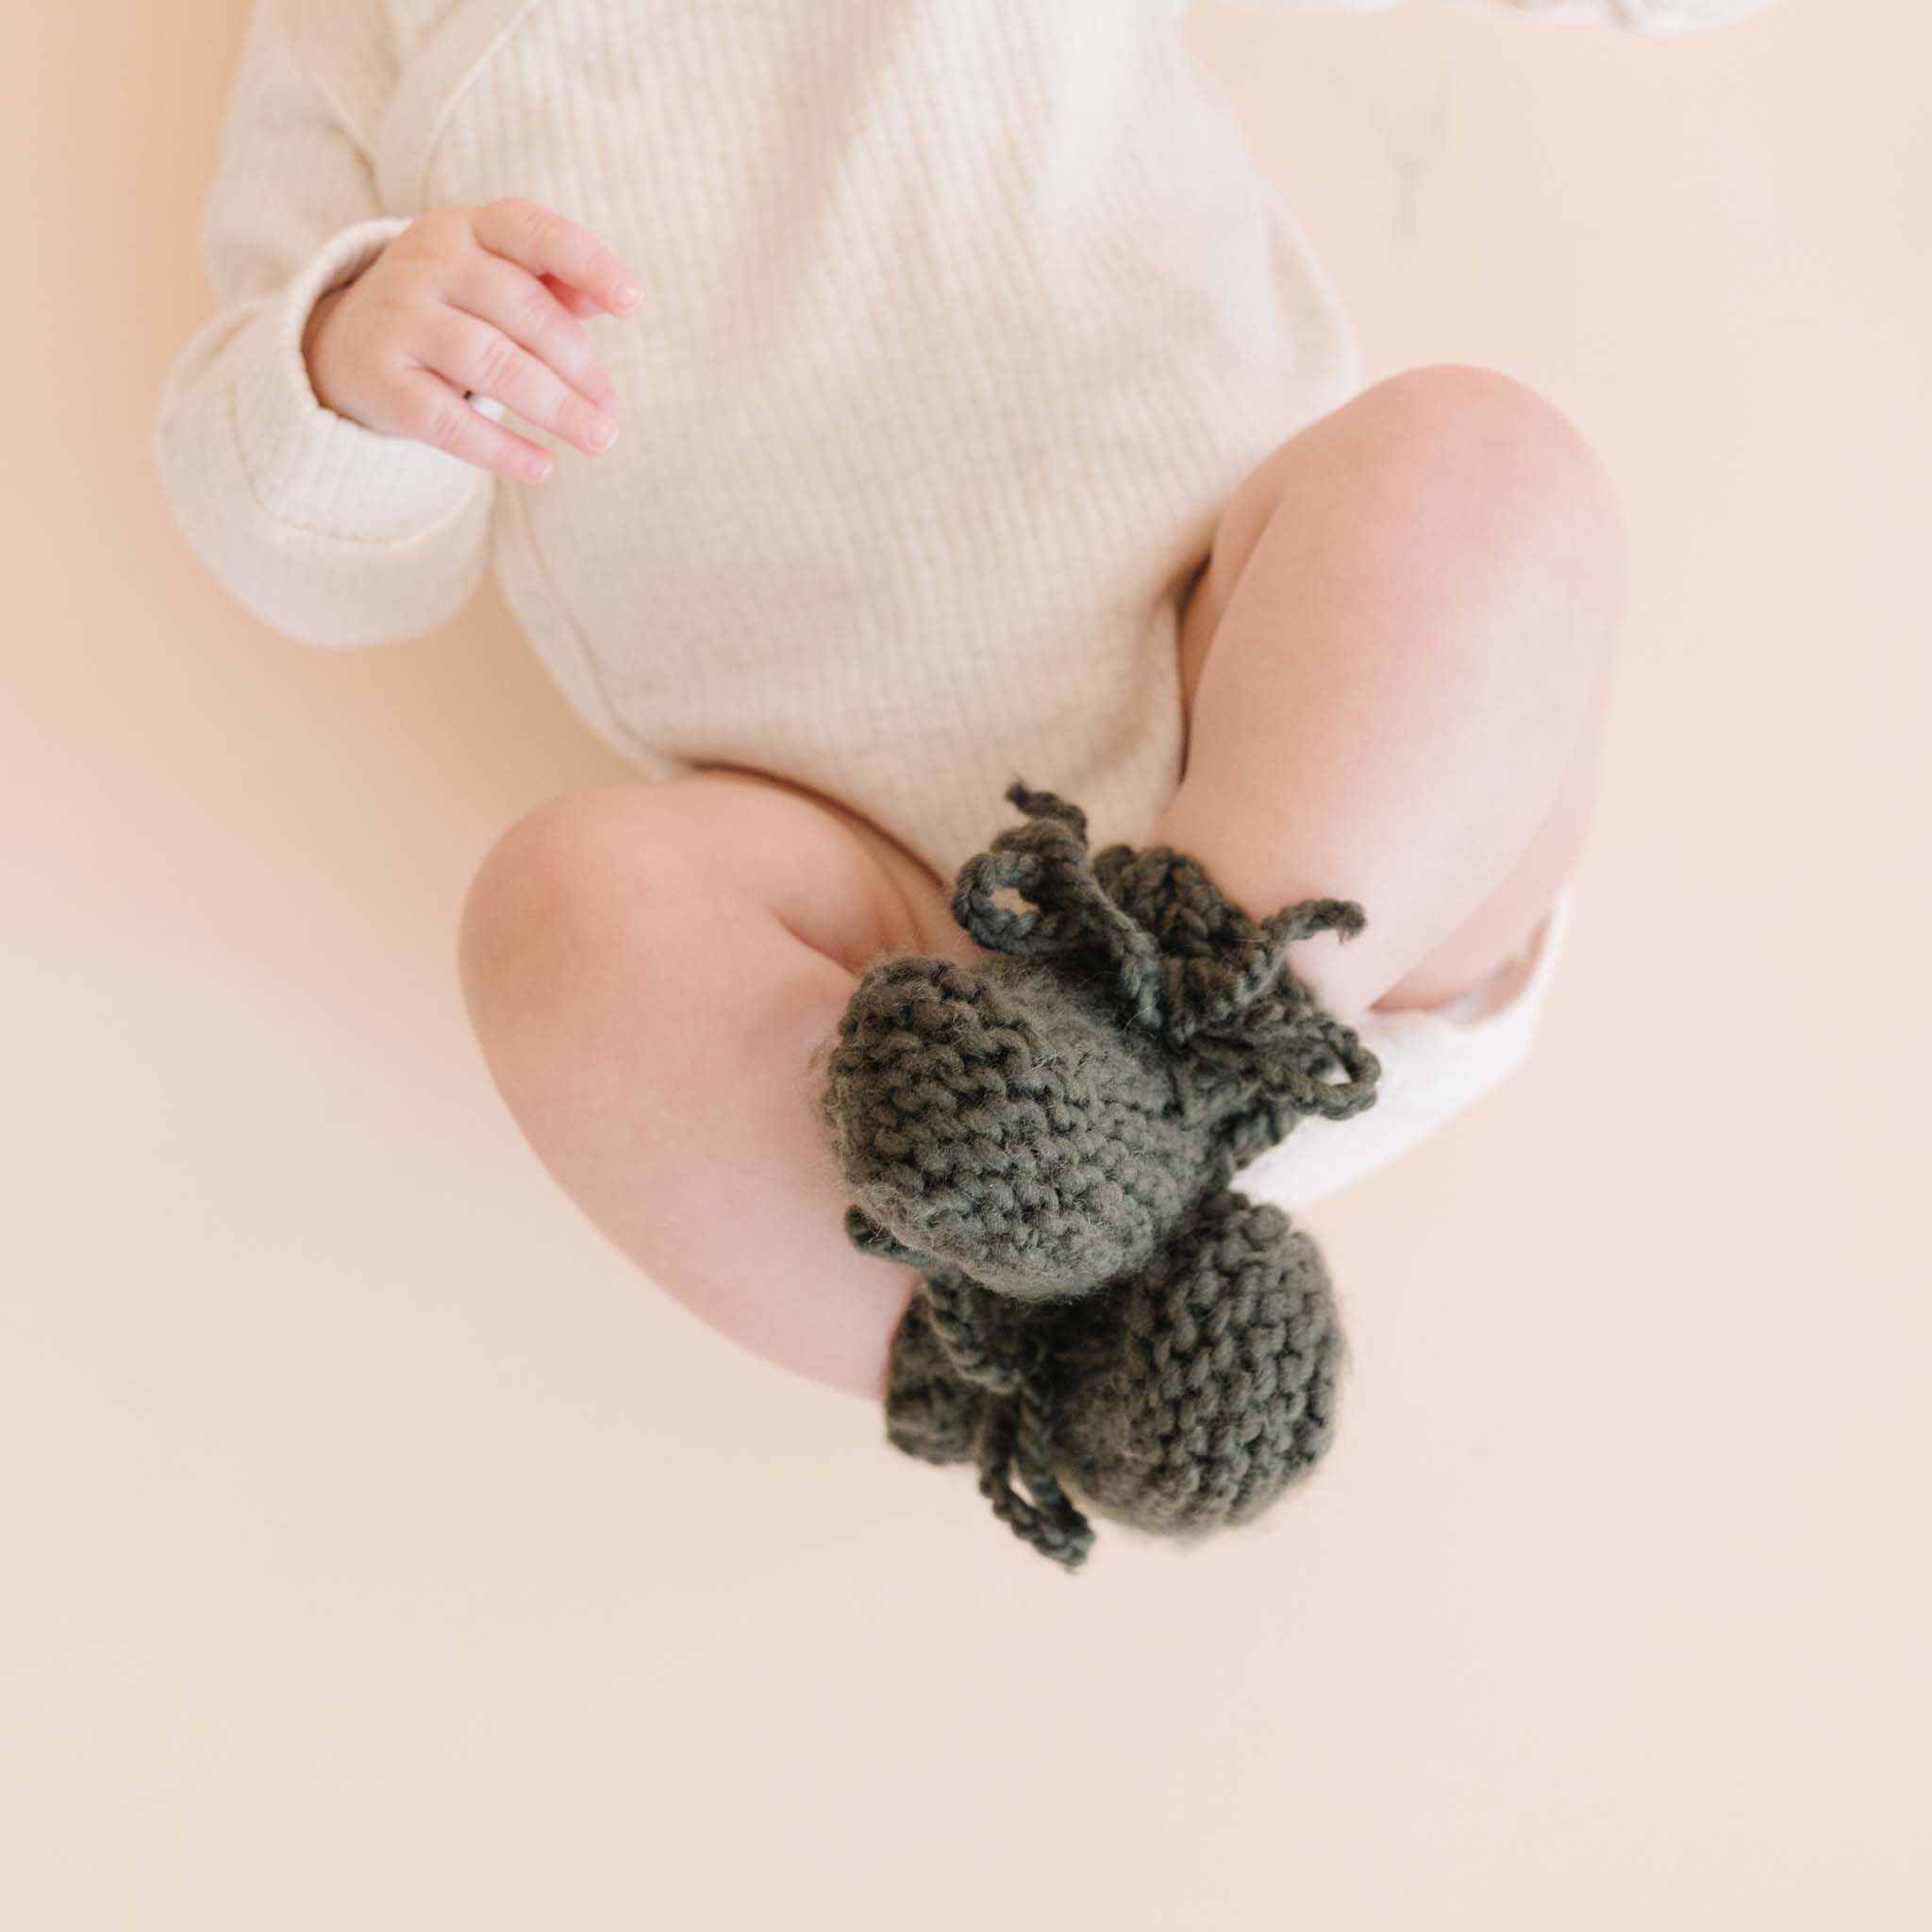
[1180, 961]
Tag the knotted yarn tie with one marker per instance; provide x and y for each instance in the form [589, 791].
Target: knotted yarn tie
[1238, 1009]
[1016, 1422]
[1046, 861]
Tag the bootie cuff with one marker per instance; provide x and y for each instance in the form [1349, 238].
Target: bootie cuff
[1179, 961]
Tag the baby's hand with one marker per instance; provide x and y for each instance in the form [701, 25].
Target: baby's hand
[480, 299]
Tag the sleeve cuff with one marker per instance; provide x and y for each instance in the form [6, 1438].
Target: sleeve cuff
[318, 471]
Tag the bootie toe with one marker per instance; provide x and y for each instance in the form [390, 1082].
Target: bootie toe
[1196, 1394]
[996, 1119]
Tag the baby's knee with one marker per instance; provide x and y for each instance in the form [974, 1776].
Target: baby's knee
[593, 891]
[1507, 465]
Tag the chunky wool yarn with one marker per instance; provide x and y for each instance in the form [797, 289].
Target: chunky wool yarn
[1182, 1400]
[1048, 1134]
[1043, 1118]
[1191, 1395]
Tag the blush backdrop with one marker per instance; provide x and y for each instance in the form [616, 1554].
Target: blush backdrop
[381, 1551]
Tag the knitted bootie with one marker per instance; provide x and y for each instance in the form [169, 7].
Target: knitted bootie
[1183, 1400]
[1198, 1392]
[1043, 1118]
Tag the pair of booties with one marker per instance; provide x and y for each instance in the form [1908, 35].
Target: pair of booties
[1049, 1134]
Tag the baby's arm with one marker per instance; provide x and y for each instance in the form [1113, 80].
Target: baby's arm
[327, 530]
[1659, 17]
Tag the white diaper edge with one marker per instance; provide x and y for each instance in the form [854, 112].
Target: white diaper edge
[1439, 1061]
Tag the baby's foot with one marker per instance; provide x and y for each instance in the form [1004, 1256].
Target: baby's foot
[1044, 1117]
[1182, 1400]
[1190, 1397]
[992, 1118]
[932, 1410]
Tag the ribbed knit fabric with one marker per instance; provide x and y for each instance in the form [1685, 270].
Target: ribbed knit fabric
[961, 321]
[1046, 1134]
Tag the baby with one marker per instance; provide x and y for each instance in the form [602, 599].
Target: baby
[915, 396]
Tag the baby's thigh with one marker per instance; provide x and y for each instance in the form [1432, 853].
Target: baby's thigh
[650, 969]
[908, 907]
[679, 864]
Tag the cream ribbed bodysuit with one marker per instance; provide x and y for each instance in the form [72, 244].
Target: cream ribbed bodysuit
[961, 321]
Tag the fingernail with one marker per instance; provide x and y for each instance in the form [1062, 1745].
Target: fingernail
[609, 400]
[601, 435]
[625, 297]
[535, 468]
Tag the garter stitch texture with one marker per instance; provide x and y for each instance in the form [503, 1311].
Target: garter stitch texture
[1183, 1400]
[1048, 1134]
[1043, 1117]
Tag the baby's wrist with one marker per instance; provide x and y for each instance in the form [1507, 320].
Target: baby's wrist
[319, 315]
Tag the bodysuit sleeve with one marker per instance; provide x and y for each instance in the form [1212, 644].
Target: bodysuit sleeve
[326, 531]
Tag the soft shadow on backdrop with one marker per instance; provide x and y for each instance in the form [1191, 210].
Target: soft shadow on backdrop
[381, 1551]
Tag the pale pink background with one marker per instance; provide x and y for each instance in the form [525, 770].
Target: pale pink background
[382, 1553]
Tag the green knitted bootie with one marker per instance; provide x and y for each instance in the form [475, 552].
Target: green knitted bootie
[1182, 1400]
[1041, 1118]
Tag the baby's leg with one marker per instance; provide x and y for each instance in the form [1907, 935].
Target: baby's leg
[1395, 664]
[650, 969]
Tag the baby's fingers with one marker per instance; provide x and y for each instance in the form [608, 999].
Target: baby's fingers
[474, 355]
[516, 302]
[546, 242]
[430, 409]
